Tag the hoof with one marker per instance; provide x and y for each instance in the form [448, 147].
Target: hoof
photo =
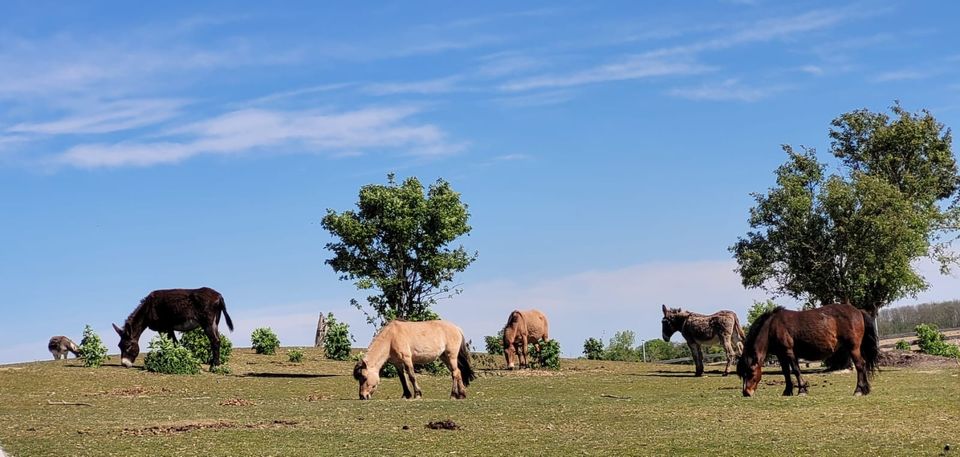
[858, 394]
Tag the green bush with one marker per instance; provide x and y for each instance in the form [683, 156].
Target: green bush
[903, 345]
[264, 341]
[92, 350]
[931, 342]
[621, 347]
[168, 358]
[548, 357]
[494, 344]
[337, 342]
[197, 342]
[221, 369]
[295, 355]
[593, 349]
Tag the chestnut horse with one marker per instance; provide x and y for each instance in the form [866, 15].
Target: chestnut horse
[164, 311]
[815, 334]
[404, 344]
[523, 327]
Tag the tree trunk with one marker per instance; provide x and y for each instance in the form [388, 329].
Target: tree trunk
[321, 332]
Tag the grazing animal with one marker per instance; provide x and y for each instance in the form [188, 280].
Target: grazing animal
[164, 311]
[721, 327]
[830, 331]
[404, 344]
[523, 328]
[60, 346]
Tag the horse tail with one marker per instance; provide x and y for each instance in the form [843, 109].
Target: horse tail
[463, 362]
[870, 344]
[223, 307]
[738, 336]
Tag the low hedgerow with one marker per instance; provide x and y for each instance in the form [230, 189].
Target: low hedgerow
[197, 342]
[932, 342]
[169, 358]
[92, 350]
[264, 341]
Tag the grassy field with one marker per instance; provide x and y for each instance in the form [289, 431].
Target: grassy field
[271, 407]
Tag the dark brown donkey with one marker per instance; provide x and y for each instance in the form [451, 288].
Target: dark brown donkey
[817, 334]
[721, 327]
[164, 311]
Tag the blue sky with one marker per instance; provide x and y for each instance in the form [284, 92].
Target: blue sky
[606, 151]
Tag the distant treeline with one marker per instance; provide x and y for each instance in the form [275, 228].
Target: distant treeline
[903, 319]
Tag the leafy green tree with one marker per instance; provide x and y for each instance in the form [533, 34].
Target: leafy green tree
[494, 344]
[758, 308]
[621, 347]
[92, 350]
[657, 349]
[852, 236]
[593, 349]
[264, 341]
[396, 244]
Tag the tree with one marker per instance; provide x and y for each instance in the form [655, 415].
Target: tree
[593, 349]
[395, 243]
[853, 236]
[758, 308]
[621, 347]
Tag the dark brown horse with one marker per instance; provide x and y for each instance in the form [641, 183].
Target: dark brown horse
[164, 311]
[721, 327]
[831, 331]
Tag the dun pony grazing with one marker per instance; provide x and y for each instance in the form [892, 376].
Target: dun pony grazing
[164, 311]
[523, 328]
[721, 327]
[816, 334]
[60, 346]
[404, 344]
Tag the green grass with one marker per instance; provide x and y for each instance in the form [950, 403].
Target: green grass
[660, 410]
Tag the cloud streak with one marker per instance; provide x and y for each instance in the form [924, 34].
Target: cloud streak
[729, 90]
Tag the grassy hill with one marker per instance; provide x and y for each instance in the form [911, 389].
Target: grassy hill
[271, 407]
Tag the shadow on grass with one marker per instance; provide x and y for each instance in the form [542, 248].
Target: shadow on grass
[677, 374]
[289, 375]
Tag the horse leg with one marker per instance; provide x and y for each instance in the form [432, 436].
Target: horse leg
[214, 336]
[697, 355]
[523, 348]
[401, 367]
[801, 384]
[728, 349]
[458, 390]
[408, 367]
[785, 367]
[863, 384]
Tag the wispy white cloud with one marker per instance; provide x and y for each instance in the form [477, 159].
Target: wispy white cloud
[632, 67]
[431, 86]
[536, 99]
[729, 90]
[295, 93]
[815, 70]
[507, 63]
[903, 75]
[105, 118]
[255, 129]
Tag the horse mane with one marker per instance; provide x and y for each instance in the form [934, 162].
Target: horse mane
[749, 344]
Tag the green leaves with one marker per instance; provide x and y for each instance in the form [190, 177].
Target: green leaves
[264, 341]
[396, 244]
[853, 235]
[92, 350]
[337, 342]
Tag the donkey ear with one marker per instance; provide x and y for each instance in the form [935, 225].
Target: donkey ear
[664, 309]
[119, 332]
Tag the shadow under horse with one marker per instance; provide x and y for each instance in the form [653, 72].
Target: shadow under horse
[836, 332]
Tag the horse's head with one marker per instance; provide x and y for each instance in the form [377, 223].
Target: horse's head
[129, 347]
[749, 369]
[368, 379]
[672, 320]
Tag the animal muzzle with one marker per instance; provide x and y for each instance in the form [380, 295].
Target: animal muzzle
[126, 362]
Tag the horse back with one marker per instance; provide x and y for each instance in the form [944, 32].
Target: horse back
[170, 308]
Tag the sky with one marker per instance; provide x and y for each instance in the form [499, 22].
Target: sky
[606, 151]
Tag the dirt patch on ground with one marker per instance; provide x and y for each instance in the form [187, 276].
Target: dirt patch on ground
[906, 359]
[237, 402]
[183, 427]
[443, 425]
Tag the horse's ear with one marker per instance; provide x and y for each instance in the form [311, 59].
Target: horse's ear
[664, 309]
[119, 332]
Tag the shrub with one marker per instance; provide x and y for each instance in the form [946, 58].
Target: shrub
[197, 342]
[494, 343]
[931, 342]
[221, 369]
[264, 341]
[621, 347]
[92, 350]
[168, 358]
[593, 349]
[337, 342]
[295, 355]
[903, 345]
[548, 357]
